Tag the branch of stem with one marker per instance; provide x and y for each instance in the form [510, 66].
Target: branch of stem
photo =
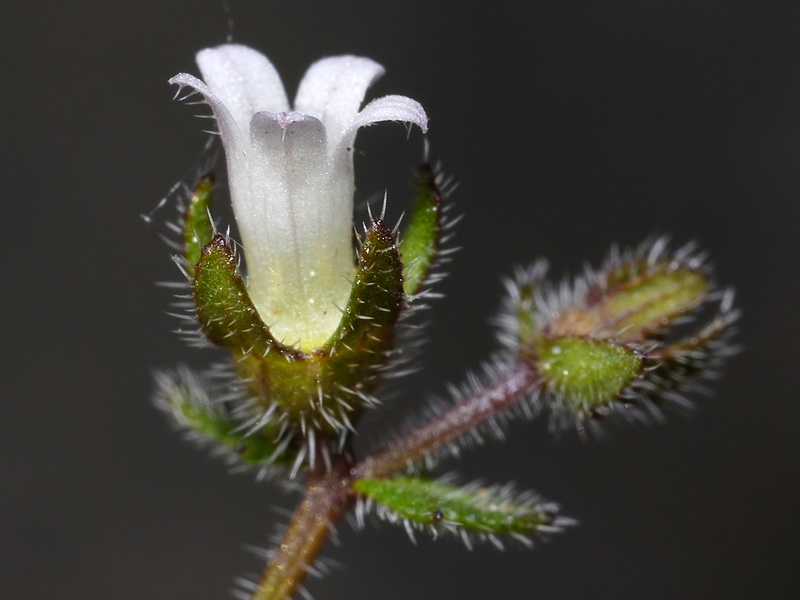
[465, 415]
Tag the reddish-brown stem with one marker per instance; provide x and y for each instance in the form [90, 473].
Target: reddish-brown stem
[324, 502]
[519, 381]
[327, 495]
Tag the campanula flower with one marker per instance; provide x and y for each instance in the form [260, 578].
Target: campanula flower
[290, 171]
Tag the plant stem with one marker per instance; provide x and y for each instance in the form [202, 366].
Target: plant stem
[324, 502]
[328, 494]
[467, 414]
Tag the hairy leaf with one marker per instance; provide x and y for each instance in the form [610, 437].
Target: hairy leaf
[474, 508]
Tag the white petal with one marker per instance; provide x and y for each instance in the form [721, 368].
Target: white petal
[298, 230]
[388, 108]
[232, 139]
[225, 120]
[333, 90]
[289, 156]
[244, 80]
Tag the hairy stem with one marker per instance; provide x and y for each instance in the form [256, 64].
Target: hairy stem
[327, 495]
[324, 502]
[470, 412]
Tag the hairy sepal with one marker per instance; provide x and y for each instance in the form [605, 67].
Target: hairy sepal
[423, 234]
[472, 511]
[328, 388]
[376, 298]
[198, 227]
[224, 308]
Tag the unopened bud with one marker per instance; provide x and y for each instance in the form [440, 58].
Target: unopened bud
[627, 337]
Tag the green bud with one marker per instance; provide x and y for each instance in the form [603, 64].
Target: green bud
[586, 373]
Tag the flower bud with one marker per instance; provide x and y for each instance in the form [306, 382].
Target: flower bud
[623, 339]
[586, 373]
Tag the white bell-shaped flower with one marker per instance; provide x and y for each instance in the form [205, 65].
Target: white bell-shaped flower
[291, 177]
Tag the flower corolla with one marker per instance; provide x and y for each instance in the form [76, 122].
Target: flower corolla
[290, 172]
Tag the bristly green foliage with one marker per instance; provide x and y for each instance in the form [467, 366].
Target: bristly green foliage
[622, 340]
[473, 511]
[207, 420]
[618, 341]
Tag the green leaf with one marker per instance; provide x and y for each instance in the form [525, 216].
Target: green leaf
[488, 511]
[188, 399]
[423, 233]
[198, 228]
[586, 373]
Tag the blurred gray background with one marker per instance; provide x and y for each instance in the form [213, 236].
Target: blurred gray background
[569, 125]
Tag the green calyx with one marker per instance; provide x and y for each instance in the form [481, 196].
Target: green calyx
[430, 503]
[376, 297]
[422, 237]
[586, 373]
[324, 389]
